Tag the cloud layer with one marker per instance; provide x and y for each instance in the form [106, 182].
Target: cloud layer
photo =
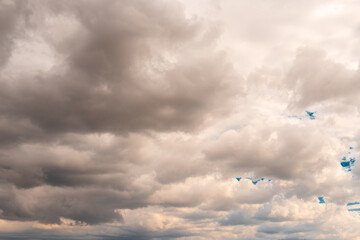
[133, 119]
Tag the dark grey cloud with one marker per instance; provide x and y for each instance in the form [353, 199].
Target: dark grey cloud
[118, 68]
[274, 226]
[136, 235]
[287, 230]
[130, 66]
[199, 215]
[142, 233]
[127, 120]
[11, 13]
[85, 184]
[41, 236]
[28, 166]
[84, 205]
[238, 218]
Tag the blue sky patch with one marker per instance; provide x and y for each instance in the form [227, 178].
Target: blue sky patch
[352, 203]
[354, 210]
[308, 115]
[353, 206]
[348, 163]
[254, 181]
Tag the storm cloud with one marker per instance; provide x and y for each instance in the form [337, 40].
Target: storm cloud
[152, 119]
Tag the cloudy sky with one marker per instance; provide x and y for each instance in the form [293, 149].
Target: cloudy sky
[207, 119]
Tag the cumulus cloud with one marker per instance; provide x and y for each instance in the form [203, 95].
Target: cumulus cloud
[314, 78]
[238, 218]
[130, 67]
[271, 149]
[127, 67]
[148, 120]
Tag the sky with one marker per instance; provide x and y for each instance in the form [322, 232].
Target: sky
[216, 119]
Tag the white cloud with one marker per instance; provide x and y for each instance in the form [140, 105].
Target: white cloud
[132, 119]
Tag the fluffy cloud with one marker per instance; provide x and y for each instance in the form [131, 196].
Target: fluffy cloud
[133, 119]
[131, 67]
[128, 67]
[312, 71]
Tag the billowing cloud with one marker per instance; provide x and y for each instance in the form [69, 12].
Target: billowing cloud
[314, 78]
[179, 120]
[128, 67]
